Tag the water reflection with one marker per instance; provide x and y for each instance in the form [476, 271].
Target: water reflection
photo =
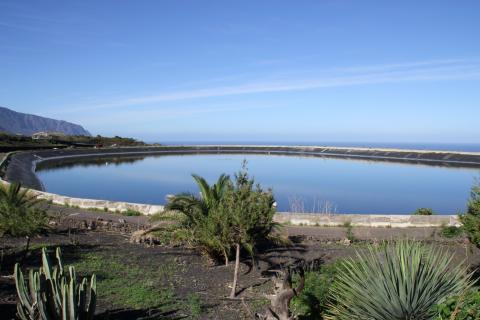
[302, 184]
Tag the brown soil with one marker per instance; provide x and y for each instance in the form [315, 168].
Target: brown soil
[78, 232]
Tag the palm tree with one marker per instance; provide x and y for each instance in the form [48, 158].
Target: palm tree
[16, 197]
[195, 207]
[19, 213]
[209, 229]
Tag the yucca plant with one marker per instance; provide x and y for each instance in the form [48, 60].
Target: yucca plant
[403, 280]
[53, 294]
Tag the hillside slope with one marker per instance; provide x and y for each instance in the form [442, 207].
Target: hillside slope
[27, 124]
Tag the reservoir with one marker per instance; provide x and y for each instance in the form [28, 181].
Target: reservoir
[299, 183]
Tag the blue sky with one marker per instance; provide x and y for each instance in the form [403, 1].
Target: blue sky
[334, 70]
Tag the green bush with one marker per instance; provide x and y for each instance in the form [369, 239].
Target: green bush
[405, 280]
[131, 213]
[451, 231]
[311, 303]
[471, 219]
[463, 307]
[19, 213]
[424, 212]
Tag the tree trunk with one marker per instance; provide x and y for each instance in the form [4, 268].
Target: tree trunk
[225, 255]
[235, 274]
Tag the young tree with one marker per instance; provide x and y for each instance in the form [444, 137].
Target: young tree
[249, 211]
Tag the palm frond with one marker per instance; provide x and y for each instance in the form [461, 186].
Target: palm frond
[220, 186]
[16, 196]
[205, 190]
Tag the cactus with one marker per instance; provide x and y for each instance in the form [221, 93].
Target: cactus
[53, 294]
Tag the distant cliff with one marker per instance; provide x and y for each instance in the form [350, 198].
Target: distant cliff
[27, 124]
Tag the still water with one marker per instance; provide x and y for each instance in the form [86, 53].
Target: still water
[301, 184]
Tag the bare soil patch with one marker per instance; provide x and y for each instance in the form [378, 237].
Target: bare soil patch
[174, 283]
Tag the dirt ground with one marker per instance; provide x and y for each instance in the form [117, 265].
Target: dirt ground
[185, 271]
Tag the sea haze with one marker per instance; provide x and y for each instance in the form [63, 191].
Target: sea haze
[301, 184]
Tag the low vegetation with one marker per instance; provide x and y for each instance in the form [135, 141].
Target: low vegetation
[10, 142]
[424, 212]
[463, 307]
[124, 285]
[451, 231]
[98, 141]
[19, 213]
[311, 303]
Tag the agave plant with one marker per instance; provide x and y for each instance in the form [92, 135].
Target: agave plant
[404, 280]
[53, 294]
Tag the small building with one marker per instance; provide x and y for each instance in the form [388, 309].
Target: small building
[47, 135]
[41, 136]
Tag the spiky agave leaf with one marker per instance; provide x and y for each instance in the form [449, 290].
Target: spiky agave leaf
[402, 280]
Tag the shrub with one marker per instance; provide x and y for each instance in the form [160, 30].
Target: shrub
[131, 213]
[194, 305]
[311, 302]
[227, 216]
[471, 219]
[424, 212]
[463, 307]
[451, 231]
[19, 213]
[54, 293]
[405, 280]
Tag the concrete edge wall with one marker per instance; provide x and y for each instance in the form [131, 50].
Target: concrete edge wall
[367, 220]
[105, 205]
[358, 220]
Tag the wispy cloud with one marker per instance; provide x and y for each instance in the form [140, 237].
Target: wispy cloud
[127, 116]
[433, 70]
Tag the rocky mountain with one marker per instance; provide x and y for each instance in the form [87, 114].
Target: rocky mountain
[27, 124]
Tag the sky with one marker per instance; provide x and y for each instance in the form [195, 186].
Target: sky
[226, 71]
